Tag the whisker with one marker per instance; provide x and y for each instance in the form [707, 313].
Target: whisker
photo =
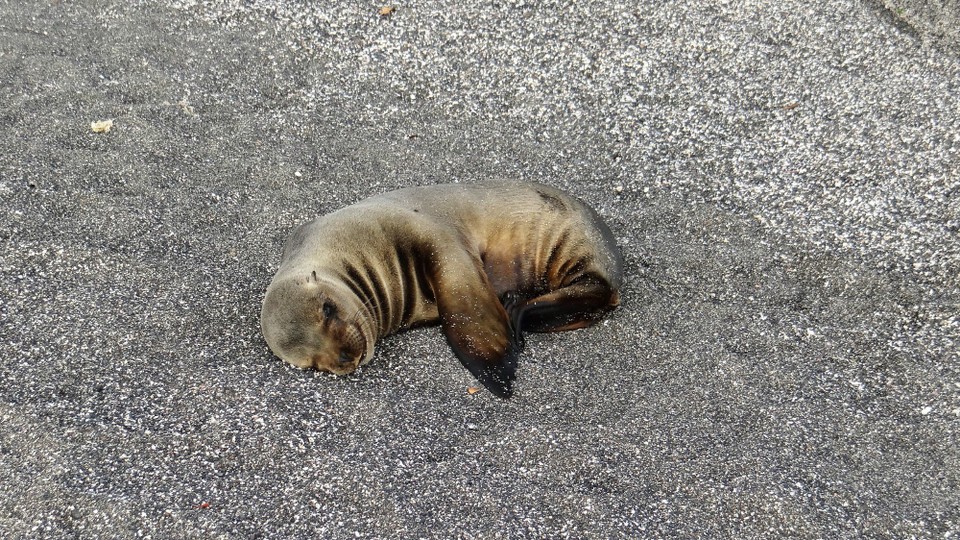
[355, 334]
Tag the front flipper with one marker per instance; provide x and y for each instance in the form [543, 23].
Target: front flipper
[476, 324]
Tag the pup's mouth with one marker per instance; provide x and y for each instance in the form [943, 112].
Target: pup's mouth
[347, 362]
[344, 364]
[352, 353]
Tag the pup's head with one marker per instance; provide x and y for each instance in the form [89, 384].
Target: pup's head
[309, 321]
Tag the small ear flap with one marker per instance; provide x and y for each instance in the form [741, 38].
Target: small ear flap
[476, 325]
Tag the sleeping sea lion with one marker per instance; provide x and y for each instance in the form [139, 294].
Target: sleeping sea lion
[488, 261]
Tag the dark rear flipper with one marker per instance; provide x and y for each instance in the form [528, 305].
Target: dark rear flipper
[578, 305]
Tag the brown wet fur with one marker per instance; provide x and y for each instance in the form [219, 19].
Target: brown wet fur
[487, 261]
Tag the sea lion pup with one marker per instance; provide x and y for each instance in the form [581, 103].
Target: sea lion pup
[487, 261]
